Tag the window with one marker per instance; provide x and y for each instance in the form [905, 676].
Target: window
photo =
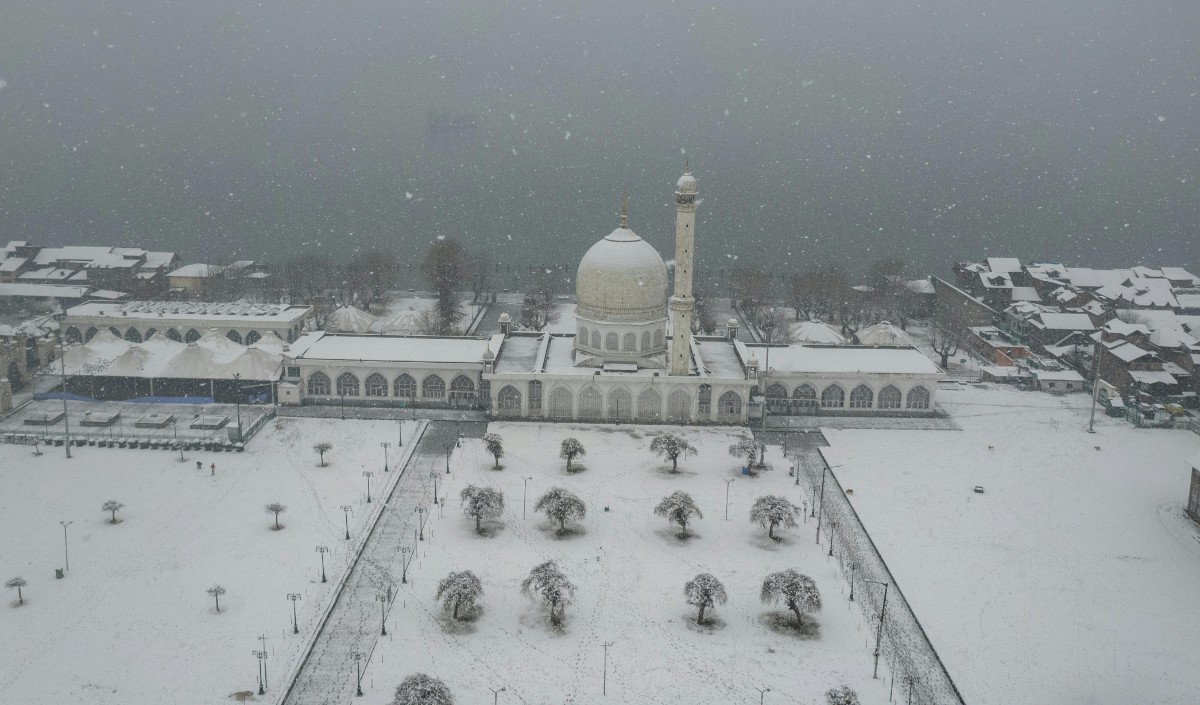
[150, 333]
[174, 335]
[561, 401]
[114, 331]
[629, 343]
[293, 372]
[133, 336]
[918, 398]
[192, 336]
[535, 398]
[234, 336]
[645, 340]
[729, 406]
[376, 385]
[861, 397]
[509, 401]
[649, 405]
[658, 338]
[610, 341]
[777, 391]
[590, 400]
[347, 385]
[91, 333]
[405, 387]
[833, 397]
[704, 401]
[318, 384]
[583, 335]
[73, 335]
[889, 398]
[620, 404]
[596, 339]
[805, 395]
[253, 337]
[433, 387]
[462, 390]
[679, 405]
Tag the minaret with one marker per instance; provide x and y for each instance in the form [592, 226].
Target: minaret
[682, 303]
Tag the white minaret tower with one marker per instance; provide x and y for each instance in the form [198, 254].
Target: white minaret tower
[683, 306]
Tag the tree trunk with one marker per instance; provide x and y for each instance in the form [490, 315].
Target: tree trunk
[497, 467]
[771, 530]
[478, 519]
[277, 522]
[945, 358]
[675, 464]
[700, 618]
[20, 597]
[114, 516]
[218, 599]
[456, 605]
[562, 525]
[554, 618]
[569, 457]
[799, 620]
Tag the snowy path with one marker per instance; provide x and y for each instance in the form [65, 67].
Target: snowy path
[328, 675]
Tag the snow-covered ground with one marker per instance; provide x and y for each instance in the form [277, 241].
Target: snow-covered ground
[131, 623]
[630, 571]
[1071, 580]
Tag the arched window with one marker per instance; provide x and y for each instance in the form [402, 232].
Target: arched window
[629, 343]
[918, 398]
[90, 333]
[777, 391]
[173, 334]
[433, 387]
[729, 407]
[150, 333]
[645, 340]
[679, 406]
[590, 400]
[833, 397]
[192, 336]
[861, 397]
[620, 404]
[376, 385]
[596, 339]
[253, 337]
[73, 335]
[318, 384]
[405, 387]
[583, 335]
[649, 405]
[704, 401]
[658, 338]
[115, 331]
[805, 395]
[508, 401]
[889, 398]
[561, 401]
[610, 341]
[462, 390]
[133, 335]
[347, 385]
[535, 398]
[234, 336]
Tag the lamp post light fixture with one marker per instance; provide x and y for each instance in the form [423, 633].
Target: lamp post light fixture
[343, 407]
[346, 513]
[421, 522]
[762, 694]
[853, 570]
[358, 658]
[385, 445]
[404, 564]
[524, 494]
[448, 447]
[727, 483]
[237, 400]
[879, 632]
[368, 474]
[399, 433]
[262, 669]
[832, 525]
[322, 550]
[383, 600]
[66, 553]
[434, 476]
[295, 597]
[496, 694]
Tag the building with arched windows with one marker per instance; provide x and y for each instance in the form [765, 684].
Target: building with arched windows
[632, 357]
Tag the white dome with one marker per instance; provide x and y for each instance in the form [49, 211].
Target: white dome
[884, 333]
[686, 184]
[815, 332]
[621, 278]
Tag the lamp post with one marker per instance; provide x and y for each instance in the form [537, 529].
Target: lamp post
[421, 522]
[262, 670]
[237, 400]
[604, 683]
[404, 564]
[448, 446]
[433, 476]
[368, 474]
[175, 432]
[346, 513]
[524, 494]
[853, 569]
[385, 445]
[496, 694]
[879, 632]
[322, 550]
[62, 361]
[399, 433]
[821, 511]
[294, 597]
[358, 657]
[762, 694]
[382, 599]
[343, 411]
[832, 526]
[727, 483]
[66, 553]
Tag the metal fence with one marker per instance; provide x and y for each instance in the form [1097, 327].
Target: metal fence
[918, 674]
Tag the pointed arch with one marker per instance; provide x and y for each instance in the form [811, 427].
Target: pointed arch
[918, 398]
[535, 397]
[90, 333]
[405, 387]
[173, 334]
[649, 405]
[620, 404]
[861, 397]
[704, 401]
[150, 333]
[253, 337]
[679, 406]
[347, 384]
[729, 407]
[508, 401]
[596, 339]
[192, 336]
[433, 387]
[462, 390]
[645, 340]
[889, 397]
[562, 403]
[777, 391]
[583, 335]
[72, 335]
[629, 342]
[234, 336]
[658, 338]
[590, 403]
[833, 397]
[805, 395]
[611, 342]
[376, 385]
[318, 384]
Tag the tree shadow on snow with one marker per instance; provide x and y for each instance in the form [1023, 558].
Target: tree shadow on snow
[665, 471]
[489, 529]
[465, 624]
[759, 539]
[572, 531]
[540, 621]
[671, 534]
[576, 468]
[784, 623]
[711, 625]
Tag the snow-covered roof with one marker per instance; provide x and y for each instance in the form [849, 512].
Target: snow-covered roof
[1004, 264]
[1058, 375]
[160, 357]
[395, 348]
[1128, 352]
[1180, 274]
[847, 359]
[1025, 293]
[1152, 377]
[884, 333]
[920, 286]
[1066, 321]
[349, 319]
[191, 310]
[12, 264]
[43, 291]
[815, 332]
[199, 271]
[400, 323]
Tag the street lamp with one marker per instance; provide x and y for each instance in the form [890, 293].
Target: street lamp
[383, 600]
[368, 474]
[433, 476]
[294, 597]
[524, 494]
[343, 411]
[262, 669]
[421, 522]
[400, 433]
[762, 694]
[66, 554]
[879, 633]
[237, 400]
[821, 512]
[448, 446]
[496, 694]
[832, 527]
[62, 361]
[404, 564]
[853, 568]
[385, 445]
[727, 483]
[358, 657]
[322, 550]
[346, 513]
[175, 432]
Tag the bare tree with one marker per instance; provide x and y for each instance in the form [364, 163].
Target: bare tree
[704, 319]
[459, 591]
[276, 509]
[420, 689]
[751, 286]
[771, 511]
[306, 277]
[947, 331]
[561, 506]
[495, 446]
[479, 268]
[482, 503]
[571, 449]
[671, 447]
[797, 591]
[444, 268]
[322, 448]
[18, 583]
[112, 506]
[704, 591]
[216, 591]
[679, 508]
[548, 583]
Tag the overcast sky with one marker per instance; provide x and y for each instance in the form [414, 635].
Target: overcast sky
[832, 130]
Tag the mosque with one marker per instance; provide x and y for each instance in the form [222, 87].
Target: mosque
[632, 357]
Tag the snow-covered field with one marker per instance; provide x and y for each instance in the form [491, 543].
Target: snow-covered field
[1071, 580]
[131, 623]
[630, 571]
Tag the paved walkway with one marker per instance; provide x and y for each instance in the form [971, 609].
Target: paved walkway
[328, 675]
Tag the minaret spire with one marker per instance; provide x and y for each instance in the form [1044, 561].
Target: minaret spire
[625, 208]
[682, 303]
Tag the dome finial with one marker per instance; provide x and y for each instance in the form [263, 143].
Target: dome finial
[625, 208]
[687, 165]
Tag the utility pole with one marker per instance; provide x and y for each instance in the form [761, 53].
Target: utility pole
[604, 682]
[66, 553]
[1095, 385]
[727, 483]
